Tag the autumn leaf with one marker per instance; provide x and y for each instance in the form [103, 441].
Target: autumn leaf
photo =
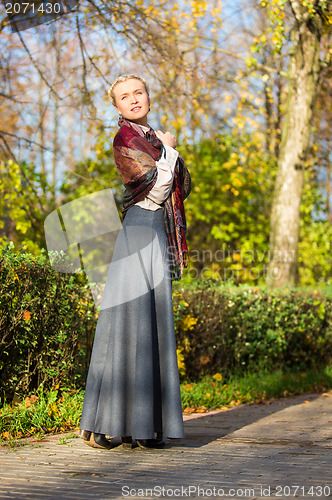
[204, 360]
[201, 409]
[26, 315]
[189, 410]
[188, 322]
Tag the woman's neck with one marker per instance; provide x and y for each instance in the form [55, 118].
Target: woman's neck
[144, 127]
[143, 122]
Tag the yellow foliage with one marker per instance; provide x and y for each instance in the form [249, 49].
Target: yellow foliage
[217, 376]
[237, 182]
[52, 409]
[186, 344]
[188, 322]
[181, 363]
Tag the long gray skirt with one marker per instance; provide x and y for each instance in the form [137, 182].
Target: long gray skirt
[132, 387]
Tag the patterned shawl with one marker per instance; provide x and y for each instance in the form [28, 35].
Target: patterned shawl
[135, 154]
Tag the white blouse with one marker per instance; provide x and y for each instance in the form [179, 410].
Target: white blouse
[165, 167]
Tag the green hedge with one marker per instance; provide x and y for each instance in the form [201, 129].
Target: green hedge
[47, 322]
[48, 319]
[231, 330]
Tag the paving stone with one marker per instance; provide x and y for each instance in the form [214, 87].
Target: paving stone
[252, 452]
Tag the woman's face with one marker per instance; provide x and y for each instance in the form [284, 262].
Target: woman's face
[132, 100]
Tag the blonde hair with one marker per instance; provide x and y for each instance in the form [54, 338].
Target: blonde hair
[124, 78]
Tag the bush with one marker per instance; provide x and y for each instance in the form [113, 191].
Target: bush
[46, 322]
[48, 319]
[237, 329]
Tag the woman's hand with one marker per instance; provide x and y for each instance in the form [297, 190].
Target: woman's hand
[166, 138]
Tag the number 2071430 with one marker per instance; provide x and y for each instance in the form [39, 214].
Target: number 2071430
[16, 8]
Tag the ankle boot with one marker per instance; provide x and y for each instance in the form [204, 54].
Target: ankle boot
[85, 435]
[151, 443]
[99, 441]
[127, 442]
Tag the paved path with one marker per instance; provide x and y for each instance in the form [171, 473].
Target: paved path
[278, 450]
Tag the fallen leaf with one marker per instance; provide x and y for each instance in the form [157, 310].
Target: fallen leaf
[201, 409]
[189, 410]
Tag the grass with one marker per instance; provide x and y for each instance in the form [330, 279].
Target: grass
[39, 414]
[60, 410]
[213, 393]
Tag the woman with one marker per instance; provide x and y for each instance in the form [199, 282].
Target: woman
[132, 388]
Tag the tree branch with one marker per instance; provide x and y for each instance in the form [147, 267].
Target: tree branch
[268, 69]
[11, 98]
[84, 50]
[37, 67]
[30, 141]
[86, 92]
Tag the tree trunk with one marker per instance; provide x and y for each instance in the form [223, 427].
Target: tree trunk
[328, 189]
[41, 109]
[56, 44]
[303, 80]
